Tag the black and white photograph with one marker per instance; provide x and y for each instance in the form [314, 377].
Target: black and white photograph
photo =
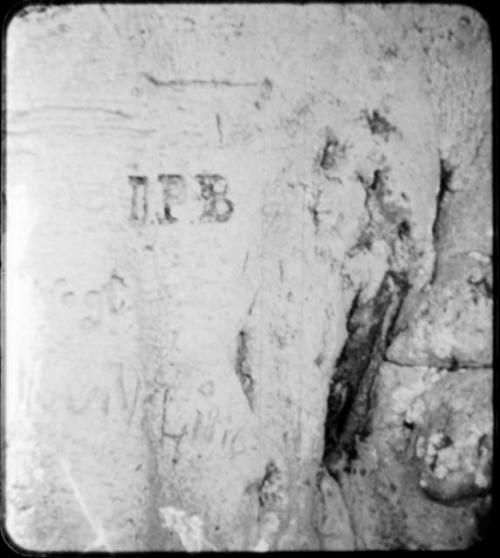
[247, 277]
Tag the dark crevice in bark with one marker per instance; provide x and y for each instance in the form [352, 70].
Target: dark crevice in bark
[242, 368]
[333, 152]
[267, 487]
[446, 174]
[374, 188]
[485, 534]
[404, 230]
[328, 157]
[378, 181]
[313, 210]
[483, 286]
[379, 125]
[351, 396]
[272, 501]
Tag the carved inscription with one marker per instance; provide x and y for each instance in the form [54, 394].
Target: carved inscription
[213, 189]
[208, 429]
[139, 197]
[174, 193]
[204, 427]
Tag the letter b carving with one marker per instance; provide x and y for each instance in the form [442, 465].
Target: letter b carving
[217, 208]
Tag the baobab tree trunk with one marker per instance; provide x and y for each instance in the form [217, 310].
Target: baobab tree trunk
[224, 226]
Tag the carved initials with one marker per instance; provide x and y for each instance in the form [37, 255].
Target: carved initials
[174, 193]
[139, 197]
[216, 206]
[213, 190]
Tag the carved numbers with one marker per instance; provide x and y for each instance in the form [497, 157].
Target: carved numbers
[217, 208]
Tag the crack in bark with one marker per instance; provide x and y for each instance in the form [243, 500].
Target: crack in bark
[323, 500]
[242, 368]
[373, 189]
[313, 210]
[446, 173]
[219, 128]
[351, 396]
[177, 438]
[268, 489]
[350, 516]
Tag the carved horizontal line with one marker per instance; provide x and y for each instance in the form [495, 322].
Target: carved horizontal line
[72, 109]
[199, 82]
[76, 129]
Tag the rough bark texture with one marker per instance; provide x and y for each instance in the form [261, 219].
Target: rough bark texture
[249, 257]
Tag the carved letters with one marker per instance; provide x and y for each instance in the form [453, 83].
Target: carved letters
[217, 208]
[174, 193]
[139, 197]
[213, 190]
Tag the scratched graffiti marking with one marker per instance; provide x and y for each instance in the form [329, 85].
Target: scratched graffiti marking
[237, 446]
[91, 307]
[206, 429]
[174, 193]
[217, 208]
[204, 425]
[139, 210]
[128, 392]
[116, 289]
[213, 190]
[78, 403]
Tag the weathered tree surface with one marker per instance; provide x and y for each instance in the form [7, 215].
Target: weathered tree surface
[249, 293]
